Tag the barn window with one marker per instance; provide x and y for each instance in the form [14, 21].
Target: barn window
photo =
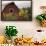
[11, 10]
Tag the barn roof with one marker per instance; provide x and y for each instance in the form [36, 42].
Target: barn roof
[11, 4]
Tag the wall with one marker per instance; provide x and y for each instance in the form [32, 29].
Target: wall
[27, 28]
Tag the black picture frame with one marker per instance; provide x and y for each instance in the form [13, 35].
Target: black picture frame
[29, 18]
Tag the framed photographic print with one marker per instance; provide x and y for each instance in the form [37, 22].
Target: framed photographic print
[16, 11]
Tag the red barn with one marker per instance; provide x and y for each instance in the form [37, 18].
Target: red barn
[10, 8]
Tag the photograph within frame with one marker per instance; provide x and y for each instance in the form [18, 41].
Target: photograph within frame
[16, 11]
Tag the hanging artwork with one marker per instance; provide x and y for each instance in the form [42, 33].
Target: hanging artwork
[16, 11]
[42, 16]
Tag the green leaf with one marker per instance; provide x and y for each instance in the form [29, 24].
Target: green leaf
[10, 31]
[40, 18]
[45, 17]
